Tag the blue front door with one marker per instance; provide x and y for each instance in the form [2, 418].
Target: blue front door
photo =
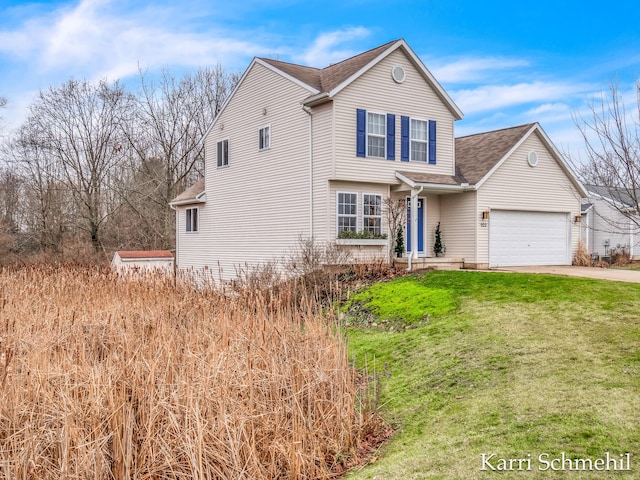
[420, 225]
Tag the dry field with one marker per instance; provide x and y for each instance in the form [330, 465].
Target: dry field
[102, 378]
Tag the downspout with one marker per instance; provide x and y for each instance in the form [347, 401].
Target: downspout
[175, 260]
[308, 112]
[630, 239]
[587, 231]
[414, 226]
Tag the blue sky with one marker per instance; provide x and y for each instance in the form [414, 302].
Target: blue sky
[503, 63]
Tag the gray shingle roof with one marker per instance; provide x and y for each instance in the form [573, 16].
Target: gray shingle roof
[618, 194]
[477, 154]
[190, 193]
[326, 79]
[419, 177]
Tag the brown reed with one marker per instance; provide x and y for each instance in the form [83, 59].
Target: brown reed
[104, 378]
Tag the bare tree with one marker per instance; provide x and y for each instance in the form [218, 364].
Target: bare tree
[46, 202]
[10, 187]
[78, 127]
[3, 104]
[611, 136]
[396, 216]
[166, 133]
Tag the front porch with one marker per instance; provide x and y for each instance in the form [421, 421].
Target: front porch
[435, 263]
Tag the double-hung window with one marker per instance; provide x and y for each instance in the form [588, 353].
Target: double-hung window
[264, 141]
[347, 212]
[372, 214]
[419, 140]
[223, 153]
[376, 134]
[192, 219]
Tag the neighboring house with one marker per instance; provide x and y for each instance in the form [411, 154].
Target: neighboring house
[300, 151]
[142, 261]
[604, 225]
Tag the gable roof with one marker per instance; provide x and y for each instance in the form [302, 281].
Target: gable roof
[327, 82]
[617, 195]
[146, 254]
[193, 194]
[326, 79]
[478, 156]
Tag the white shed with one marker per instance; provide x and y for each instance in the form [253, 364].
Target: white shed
[143, 261]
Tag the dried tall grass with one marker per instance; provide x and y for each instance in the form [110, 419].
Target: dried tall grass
[103, 378]
[581, 257]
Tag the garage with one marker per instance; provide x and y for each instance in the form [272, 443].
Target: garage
[518, 238]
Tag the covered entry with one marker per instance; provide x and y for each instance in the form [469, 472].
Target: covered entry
[420, 202]
[518, 238]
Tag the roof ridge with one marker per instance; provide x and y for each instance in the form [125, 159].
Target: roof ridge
[267, 59]
[328, 77]
[362, 53]
[529, 125]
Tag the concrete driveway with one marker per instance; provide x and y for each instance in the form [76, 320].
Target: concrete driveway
[632, 276]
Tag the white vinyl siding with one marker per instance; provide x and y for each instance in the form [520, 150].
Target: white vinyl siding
[323, 220]
[419, 137]
[376, 134]
[375, 91]
[258, 208]
[458, 225]
[608, 229]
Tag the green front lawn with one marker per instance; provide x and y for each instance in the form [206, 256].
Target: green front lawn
[521, 366]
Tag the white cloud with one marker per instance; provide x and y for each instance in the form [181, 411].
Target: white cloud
[491, 97]
[550, 108]
[466, 70]
[324, 52]
[97, 38]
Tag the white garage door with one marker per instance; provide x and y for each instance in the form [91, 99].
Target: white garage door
[528, 238]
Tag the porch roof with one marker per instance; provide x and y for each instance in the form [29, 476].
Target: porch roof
[194, 194]
[435, 182]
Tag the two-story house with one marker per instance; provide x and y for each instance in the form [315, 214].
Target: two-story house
[300, 151]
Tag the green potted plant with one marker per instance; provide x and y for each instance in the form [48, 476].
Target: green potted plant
[438, 248]
[399, 246]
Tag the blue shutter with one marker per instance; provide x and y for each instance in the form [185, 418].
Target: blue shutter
[391, 136]
[432, 142]
[361, 132]
[404, 139]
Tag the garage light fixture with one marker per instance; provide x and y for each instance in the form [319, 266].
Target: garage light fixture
[577, 218]
[485, 215]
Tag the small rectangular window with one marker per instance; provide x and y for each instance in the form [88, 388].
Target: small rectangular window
[347, 212]
[265, 138]
[418, 140]
[192, 220]
[372, 214]
[223, 153]
[376, 134]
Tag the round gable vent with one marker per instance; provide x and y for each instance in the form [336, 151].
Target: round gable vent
[532, 158]
[398, 74]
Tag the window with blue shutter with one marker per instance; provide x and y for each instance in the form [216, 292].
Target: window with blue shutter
[432, 142]
[361, 132]
[404, 139]
[391, 136]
